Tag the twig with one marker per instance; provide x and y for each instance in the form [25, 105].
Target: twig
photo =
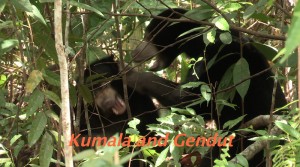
[232, 26]
[282, 9]
[121, 63]
[63, 65]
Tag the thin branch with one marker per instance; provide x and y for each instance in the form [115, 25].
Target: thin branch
[283, 10]
[256, 147]
[63, 65]
[232, 26]
[258, 122]
[121, 63]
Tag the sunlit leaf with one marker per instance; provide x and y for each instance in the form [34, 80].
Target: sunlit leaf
[133, 123]
[231, 7]
[7, 45]
[209, 36]
[35, 77]
[288, 129]
[162, 157]
[35, 13]
[293, 39]
[23, 5]
[2, 5]
[85, 6]
[221, 24]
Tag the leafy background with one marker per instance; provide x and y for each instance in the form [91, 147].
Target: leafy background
[29, 81]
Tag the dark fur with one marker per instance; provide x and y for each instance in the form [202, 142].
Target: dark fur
[106, 94]
[160, 41]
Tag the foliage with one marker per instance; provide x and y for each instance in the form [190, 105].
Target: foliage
[288, 154]
[29, 82]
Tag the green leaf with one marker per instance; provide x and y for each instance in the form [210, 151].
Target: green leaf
[221, 24]
[198, 30]
[37, 128]
[18, 147]
[35, 13]
[85, 92]
[14, 139]
[162, 157]
[97, 31]
[234, 122]
[73, 95]
[2, 5]
[3, 79]
[263, 18]
[53, 97]
[231, 7]
[133, 123]
[288, 129]
[226, 37]
[94, 54]
[11, 107]
[46, 150]
[134, 132]
[223, 97]
[249, 11]
[6, 24]
[5, 160]
[2, 98]
[84, 154]
[241, 72]
[43, 38]
[293, 39]
[51, 77]
[176, 152]
[7, 45]
[172, 119]
[85, 6]
[187, 111]
[199, 13]
[128, 157]
[209, 36]
[23, 5]
[53, 115]
[33, 81]
[206, 92]
[35, 101]
[192, 85]
[45, 1]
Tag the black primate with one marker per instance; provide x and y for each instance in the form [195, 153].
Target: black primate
[109, 99]
[109, 107]
[164, 40]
